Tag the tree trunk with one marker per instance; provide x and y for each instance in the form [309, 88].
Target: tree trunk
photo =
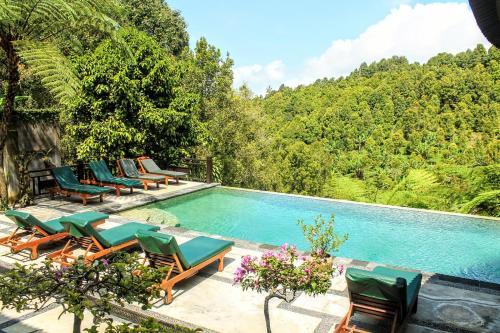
[266, 312]
[77, 324]
[12, 62]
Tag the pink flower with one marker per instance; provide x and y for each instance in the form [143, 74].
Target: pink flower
[284, 247]
[340, 269]
[239, 274]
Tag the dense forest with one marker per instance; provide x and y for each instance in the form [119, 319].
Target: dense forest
[391, 132]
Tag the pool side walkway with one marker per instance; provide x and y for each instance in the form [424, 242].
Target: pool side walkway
[211, 302]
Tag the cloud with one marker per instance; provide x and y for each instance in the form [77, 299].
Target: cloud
[260, 77]
[417, 32]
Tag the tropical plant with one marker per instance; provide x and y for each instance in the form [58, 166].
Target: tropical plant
[81, 287]
[29, 30]
[283, 274]
[321, 236]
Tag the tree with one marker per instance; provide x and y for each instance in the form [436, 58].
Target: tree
[159, 21]
[132, 103]
[28, 33]
[81, 287]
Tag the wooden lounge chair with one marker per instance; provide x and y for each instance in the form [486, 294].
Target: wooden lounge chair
[147, 165]
[387, 295]
[68, 184]
[31, 232]
[127, 168]
[96, 243]
[185, 260]
[104, 177]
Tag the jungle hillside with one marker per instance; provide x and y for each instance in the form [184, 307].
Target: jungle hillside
[422, 135]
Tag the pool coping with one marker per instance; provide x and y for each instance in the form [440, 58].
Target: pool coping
[483, 217]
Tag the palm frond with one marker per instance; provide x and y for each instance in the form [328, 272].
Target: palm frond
[52, 67]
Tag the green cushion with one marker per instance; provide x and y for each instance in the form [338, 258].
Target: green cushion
[102, 174]
[125, 232]
[413, 280]
[159, 243]
[190, 254]
[202, 248]
[149, 176]
[27, 221]
[109, 237]
[129, 168]
[67, 180]
[152, 167]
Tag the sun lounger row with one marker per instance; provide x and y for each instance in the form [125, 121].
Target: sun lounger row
[185, 260]
[104, 182]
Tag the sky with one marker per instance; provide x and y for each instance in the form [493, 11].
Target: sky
[293, 42]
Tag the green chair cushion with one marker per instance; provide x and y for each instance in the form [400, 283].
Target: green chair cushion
[149, 176]
[109, 237]
[202, 248]
[67, 180]
[160, 243]
[152, 167]
[125, 232]
[129, 168]
[190, 253]
[102, 174]
[413, 280]
[27, 221]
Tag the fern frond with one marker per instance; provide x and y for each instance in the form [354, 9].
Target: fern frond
[492, 198]
[420, 180]
[52, 67]
[10, 12]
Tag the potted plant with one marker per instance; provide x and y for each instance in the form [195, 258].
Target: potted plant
[283, 274]
[321, 237]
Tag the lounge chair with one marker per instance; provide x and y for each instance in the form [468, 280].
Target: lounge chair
[127, 168]
[96, 243]
[68, 184]
[384, 294]
[185, 260]
[147, 165]
[31, 232]
[104, 177]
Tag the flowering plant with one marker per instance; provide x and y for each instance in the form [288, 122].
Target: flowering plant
[284, 274]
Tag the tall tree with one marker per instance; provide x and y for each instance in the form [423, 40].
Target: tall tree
[29, 30]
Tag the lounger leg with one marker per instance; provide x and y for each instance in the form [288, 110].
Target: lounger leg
[34, 252]
[221, 264]
[117, 191]
[131, 190]
[168, 295]
[157, 184]
[84, 199]
[145, 185]
[101, 197]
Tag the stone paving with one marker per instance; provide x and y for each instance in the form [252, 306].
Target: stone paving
[211, 302]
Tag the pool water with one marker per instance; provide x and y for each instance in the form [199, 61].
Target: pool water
[434, 242]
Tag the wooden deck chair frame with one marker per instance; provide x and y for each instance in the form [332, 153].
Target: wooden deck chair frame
[375, 308]
[36, 237]
[143, 170]
[84, 196]
[177, 273]
[145, 182]
[65, 257]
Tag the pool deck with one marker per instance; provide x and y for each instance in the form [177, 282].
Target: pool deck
[211, 302]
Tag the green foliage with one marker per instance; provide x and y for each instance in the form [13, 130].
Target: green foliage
[159, 21]
[133, 103]
[321, 235]
[391, 132]
[148, 326]
[81, 287]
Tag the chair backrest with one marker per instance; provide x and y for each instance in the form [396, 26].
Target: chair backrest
[27, 221]
[377, 290]
[161, 244]
[64, 176]
[100, 170]
[129, 168]
[80, 229]
[150, 165]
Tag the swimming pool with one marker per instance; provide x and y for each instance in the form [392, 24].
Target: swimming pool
[434, 242]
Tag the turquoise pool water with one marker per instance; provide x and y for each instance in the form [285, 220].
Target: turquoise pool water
[434, 242]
